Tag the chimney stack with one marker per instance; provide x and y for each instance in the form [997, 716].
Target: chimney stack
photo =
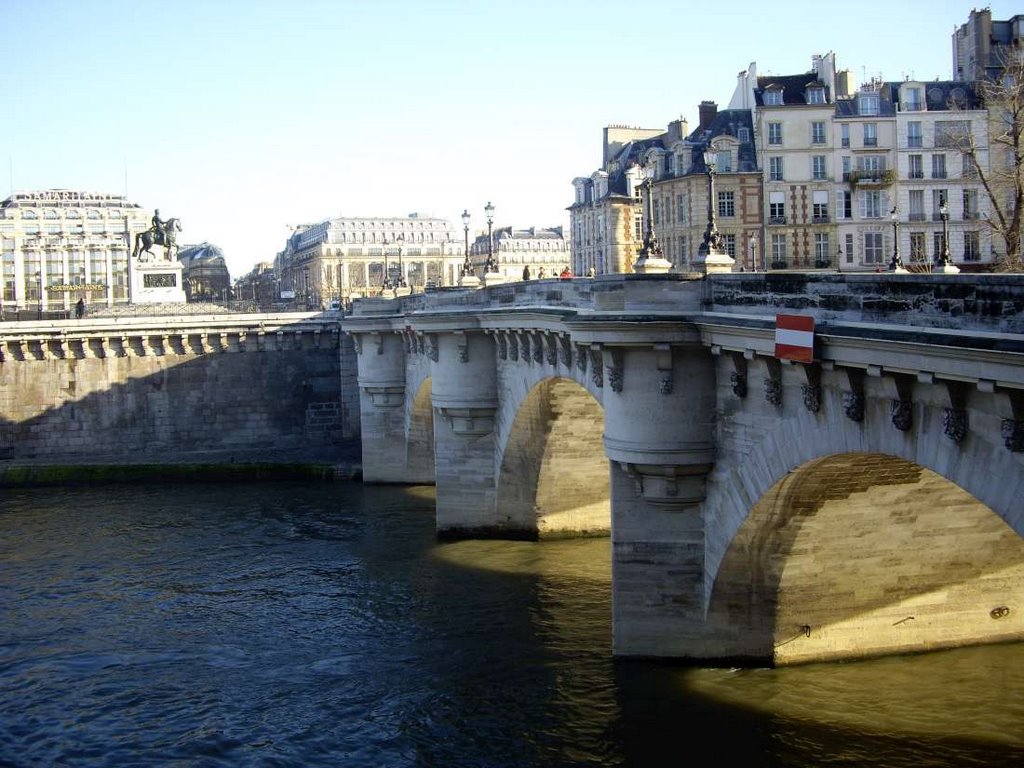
[707, 112]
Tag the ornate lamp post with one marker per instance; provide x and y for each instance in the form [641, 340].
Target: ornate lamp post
[39, 311]
[467, 266]
[896, 265]
[753, 254]
[711, 256]
[400, 283]
[651, 260]
[491, 264]
[387, 269]
[943, 260]
[839, 258]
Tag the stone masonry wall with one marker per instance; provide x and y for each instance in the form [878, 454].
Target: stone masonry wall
[148, 406]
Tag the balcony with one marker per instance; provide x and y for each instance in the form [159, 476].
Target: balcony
[870, 141]
[916, 216]
[776, 219]
[872, 176]
[915, 175]
[821, 218]
[939, 174]
[914, 142]
[971, 215]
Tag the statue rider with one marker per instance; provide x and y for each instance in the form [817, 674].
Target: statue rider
[158, 228]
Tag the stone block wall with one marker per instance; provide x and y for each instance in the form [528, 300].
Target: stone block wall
[146, 401]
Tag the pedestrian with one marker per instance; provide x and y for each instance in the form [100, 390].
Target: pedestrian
[565, 274]
[526, 272]
[80, 308]
[590, 271]
[540, 274]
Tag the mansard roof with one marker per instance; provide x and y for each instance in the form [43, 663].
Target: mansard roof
[793, 87]
[727, 122]
[942, 95]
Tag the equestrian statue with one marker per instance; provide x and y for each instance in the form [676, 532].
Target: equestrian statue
[161, 233]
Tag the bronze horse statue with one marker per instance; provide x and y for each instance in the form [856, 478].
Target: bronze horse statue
[153, 236]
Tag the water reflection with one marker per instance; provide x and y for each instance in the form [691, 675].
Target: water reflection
[325, 625]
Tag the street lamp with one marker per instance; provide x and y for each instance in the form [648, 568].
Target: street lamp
[839, 258]
[491, 265]
[944, 256]
[651, 249]
[400, 240]
[467, 266]
[753, 253]
[712, 238]
[896, 265]
[39, 311]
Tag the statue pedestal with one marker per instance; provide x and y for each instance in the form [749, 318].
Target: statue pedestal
[469, 280]
[946, 269]
[156, 280]
[713, 262]
[652, 265]
[494, 278]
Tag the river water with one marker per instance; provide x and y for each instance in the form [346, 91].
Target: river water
[323, 625]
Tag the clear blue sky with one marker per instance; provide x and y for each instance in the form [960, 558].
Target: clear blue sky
[241, 117]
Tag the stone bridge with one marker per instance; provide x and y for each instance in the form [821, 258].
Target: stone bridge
[869, 502]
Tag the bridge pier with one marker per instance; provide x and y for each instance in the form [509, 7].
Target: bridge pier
[465, 397]
[659, 436]
[382, 406]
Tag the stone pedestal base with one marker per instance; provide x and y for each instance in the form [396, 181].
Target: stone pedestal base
[710, 263]
[494, 278]
[156, 280]
[469, 280]
[652, 266]
[946, 269]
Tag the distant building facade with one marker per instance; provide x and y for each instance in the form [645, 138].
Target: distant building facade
[344, 258]
[206, 274]
[517, 249]
[982, 46]
[59, 245]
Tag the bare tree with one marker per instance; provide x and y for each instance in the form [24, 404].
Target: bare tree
[1001, 173]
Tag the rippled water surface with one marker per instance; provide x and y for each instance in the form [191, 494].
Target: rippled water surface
[298, 625]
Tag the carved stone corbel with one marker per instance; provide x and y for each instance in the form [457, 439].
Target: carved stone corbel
[462, 344]
[773, 382]
[853, 399]
[738, 377]
[1010, 406]
[954, 418]
[668, 485]
[596, 365]
[502, 345]
[513, 346]
[538, 347]
[615, 369]
[581, 357]
[565, 351]
[901, 408]
[663, 361]
[811, 389]
[431, 346]
[551, 348]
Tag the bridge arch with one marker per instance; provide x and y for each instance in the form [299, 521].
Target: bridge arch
[553, 477]
[420, 435]
[864, 554]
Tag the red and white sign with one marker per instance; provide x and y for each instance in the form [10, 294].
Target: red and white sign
[794, 338]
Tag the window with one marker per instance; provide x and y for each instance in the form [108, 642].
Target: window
[912, 101]
[815, 95]
[938, 166]
[638, 227]
[723, 163]
[726, 204]
[868, 104]
[972, 246]
[871, 204]
[916, 198]
[970, 204]
[818, 168]
[870, 134]
[776, 207]
[844, 205]
[778, 251]
[743, 135]
[914, 134]
[916, 169]
[938, 199]
[772, 97]
[849, 248]
[681, 213]
[730, 244]
[918, 251]
[873, 248]
[657, 212]
[818, 132]
[940, 243]
[951, 133]
[820, 206]
[844, 131]
[822, 255]
[775, 168]
[774, 133]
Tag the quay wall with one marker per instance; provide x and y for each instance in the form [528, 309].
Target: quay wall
[141, 394]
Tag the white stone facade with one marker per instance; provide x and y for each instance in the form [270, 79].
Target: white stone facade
[58, 245]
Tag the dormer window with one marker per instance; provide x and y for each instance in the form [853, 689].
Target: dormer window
[815, 95]
[868, 104]
[913, 100]
[773, 97]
